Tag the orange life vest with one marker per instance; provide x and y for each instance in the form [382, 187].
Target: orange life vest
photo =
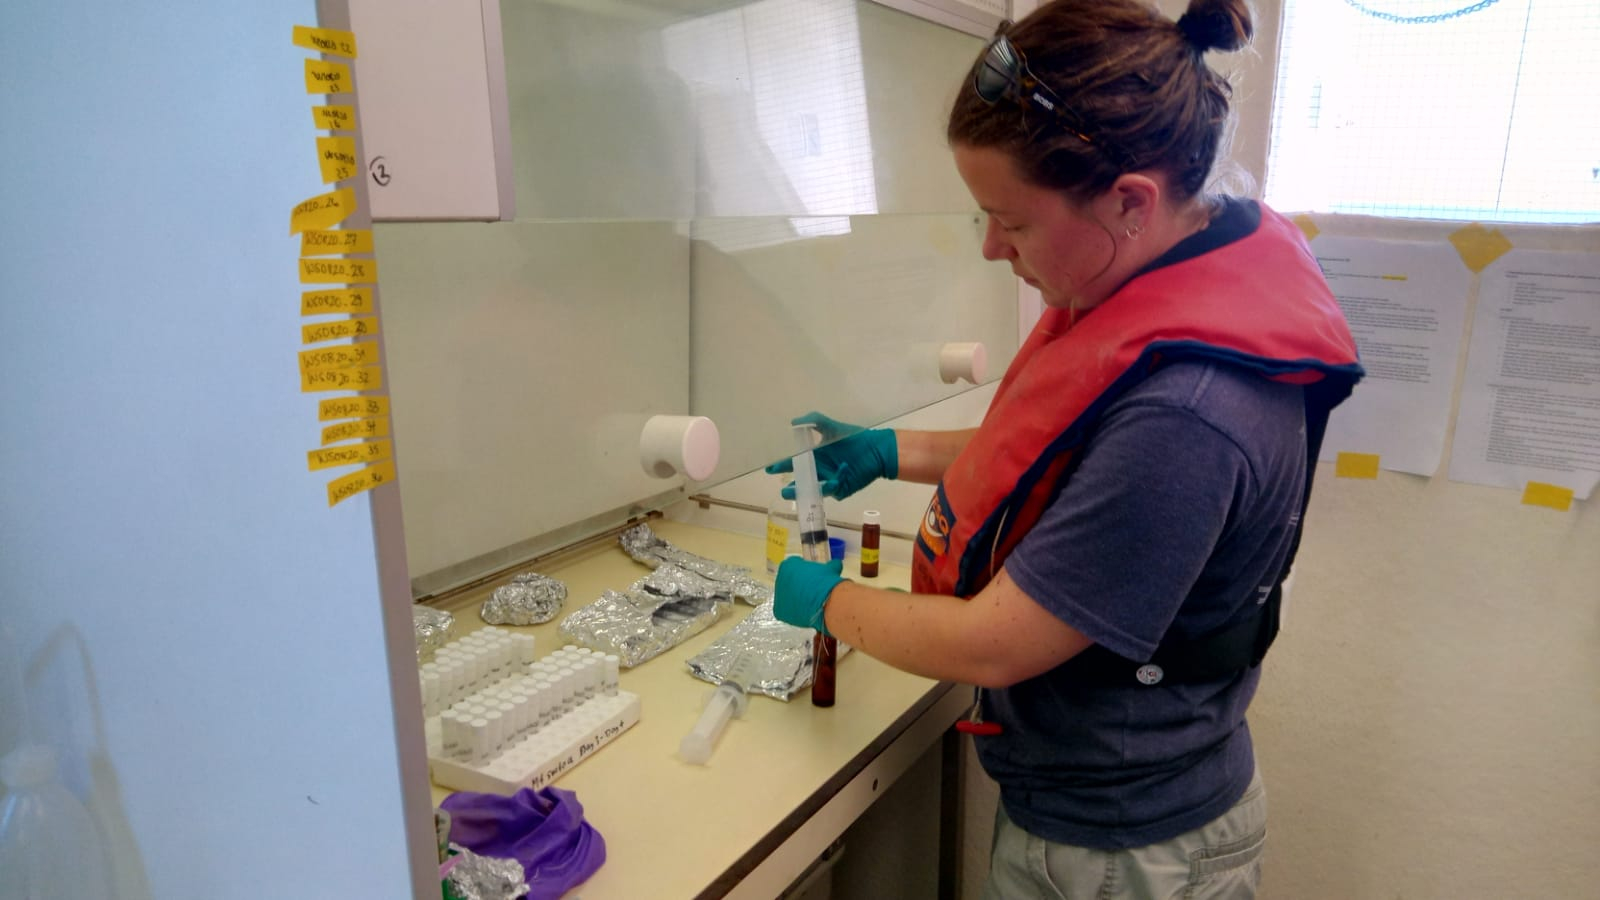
[1259, 302]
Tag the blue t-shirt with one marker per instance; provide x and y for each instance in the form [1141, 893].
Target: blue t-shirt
[1179, 517]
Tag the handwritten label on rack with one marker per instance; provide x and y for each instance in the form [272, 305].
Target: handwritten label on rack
[336, 408]
[344, 488]
[323, 210]
[365, 378]
[361, 326]
[358, 428]
[327, 77]
[334, 117]
[343, 240]
[343, 270]
[337, 157]
[325, 40]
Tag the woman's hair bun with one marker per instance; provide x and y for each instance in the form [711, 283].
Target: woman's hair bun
[1216, 25]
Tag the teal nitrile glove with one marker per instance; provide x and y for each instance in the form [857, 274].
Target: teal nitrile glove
[851, 457]
[802, 591]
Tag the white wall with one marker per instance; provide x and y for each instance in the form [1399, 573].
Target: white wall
[203, 638]
[1427, 725]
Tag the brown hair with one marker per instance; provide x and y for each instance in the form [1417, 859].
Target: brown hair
[1137, 81]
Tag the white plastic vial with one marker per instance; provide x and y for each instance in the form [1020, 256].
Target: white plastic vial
[613, 674]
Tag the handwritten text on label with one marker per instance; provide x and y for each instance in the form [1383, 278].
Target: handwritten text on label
[352, 408]
[326, 40]
[364, 480]
[343, 328]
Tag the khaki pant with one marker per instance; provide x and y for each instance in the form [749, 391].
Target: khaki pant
[1220, 860]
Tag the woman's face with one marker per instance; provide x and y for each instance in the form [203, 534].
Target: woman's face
[1051, 244]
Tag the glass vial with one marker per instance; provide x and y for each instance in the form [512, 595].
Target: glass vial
[824, 660]
[783, 532]
[871, 534]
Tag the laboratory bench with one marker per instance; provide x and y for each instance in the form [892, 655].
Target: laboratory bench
[784, 781]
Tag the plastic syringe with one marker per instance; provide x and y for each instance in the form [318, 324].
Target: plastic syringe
[728, 701]
[808, 497]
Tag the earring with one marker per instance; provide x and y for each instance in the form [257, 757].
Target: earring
[1133, 232]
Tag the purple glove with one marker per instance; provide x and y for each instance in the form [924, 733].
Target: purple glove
[544, 830]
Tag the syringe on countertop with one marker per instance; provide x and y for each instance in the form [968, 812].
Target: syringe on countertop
[729, 700]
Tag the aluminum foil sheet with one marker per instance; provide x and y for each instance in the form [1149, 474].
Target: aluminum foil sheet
[646, 547]
[474, 877]
[530, 599]
[774, 657]
[659, 612]
[433, 628]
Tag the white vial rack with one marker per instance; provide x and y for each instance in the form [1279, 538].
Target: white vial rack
[499, 719]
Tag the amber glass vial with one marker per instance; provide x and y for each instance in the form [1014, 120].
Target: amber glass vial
[824, 663]
[870, 536]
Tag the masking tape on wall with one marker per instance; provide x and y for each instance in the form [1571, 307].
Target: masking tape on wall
[1551, 495]
[1356, 465]
[1479, 246]
[1308, 227]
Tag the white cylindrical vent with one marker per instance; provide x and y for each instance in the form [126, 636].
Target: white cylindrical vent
[969, 361]
[680, 445]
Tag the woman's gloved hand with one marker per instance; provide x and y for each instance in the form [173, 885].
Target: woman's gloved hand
[802, 590]
[852, 457]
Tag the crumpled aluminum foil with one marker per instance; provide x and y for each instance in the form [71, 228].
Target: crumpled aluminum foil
[530, 599]
[774, 658]
[474, 877]
[658, 612]
[645, 547]
[433, 628]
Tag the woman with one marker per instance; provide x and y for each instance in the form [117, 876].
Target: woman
[1103, 554]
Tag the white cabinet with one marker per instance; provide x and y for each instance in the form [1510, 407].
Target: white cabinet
[431, 89]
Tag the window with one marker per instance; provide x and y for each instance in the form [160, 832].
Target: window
[1442, 109]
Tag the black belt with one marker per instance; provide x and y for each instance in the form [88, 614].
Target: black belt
[1210, 657]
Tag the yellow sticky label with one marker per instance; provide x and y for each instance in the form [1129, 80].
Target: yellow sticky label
[337, 157]
[366, 378]
[352, 408]
[325, 40]
[777, 541]
[1479, 246]
[342, 356]
[1552, 495]
[349, 300]
[323, 270]
[869, 556]
[1356, 465]
[334, 117]
[327, 77]
[342, 328]
[1307, 227]
[328, 243]
[1395, 277]
[364, 480]
[349, 455]
[359, 428]
[323, 210]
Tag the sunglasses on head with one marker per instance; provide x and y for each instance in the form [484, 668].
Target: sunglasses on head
[1004, 75]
